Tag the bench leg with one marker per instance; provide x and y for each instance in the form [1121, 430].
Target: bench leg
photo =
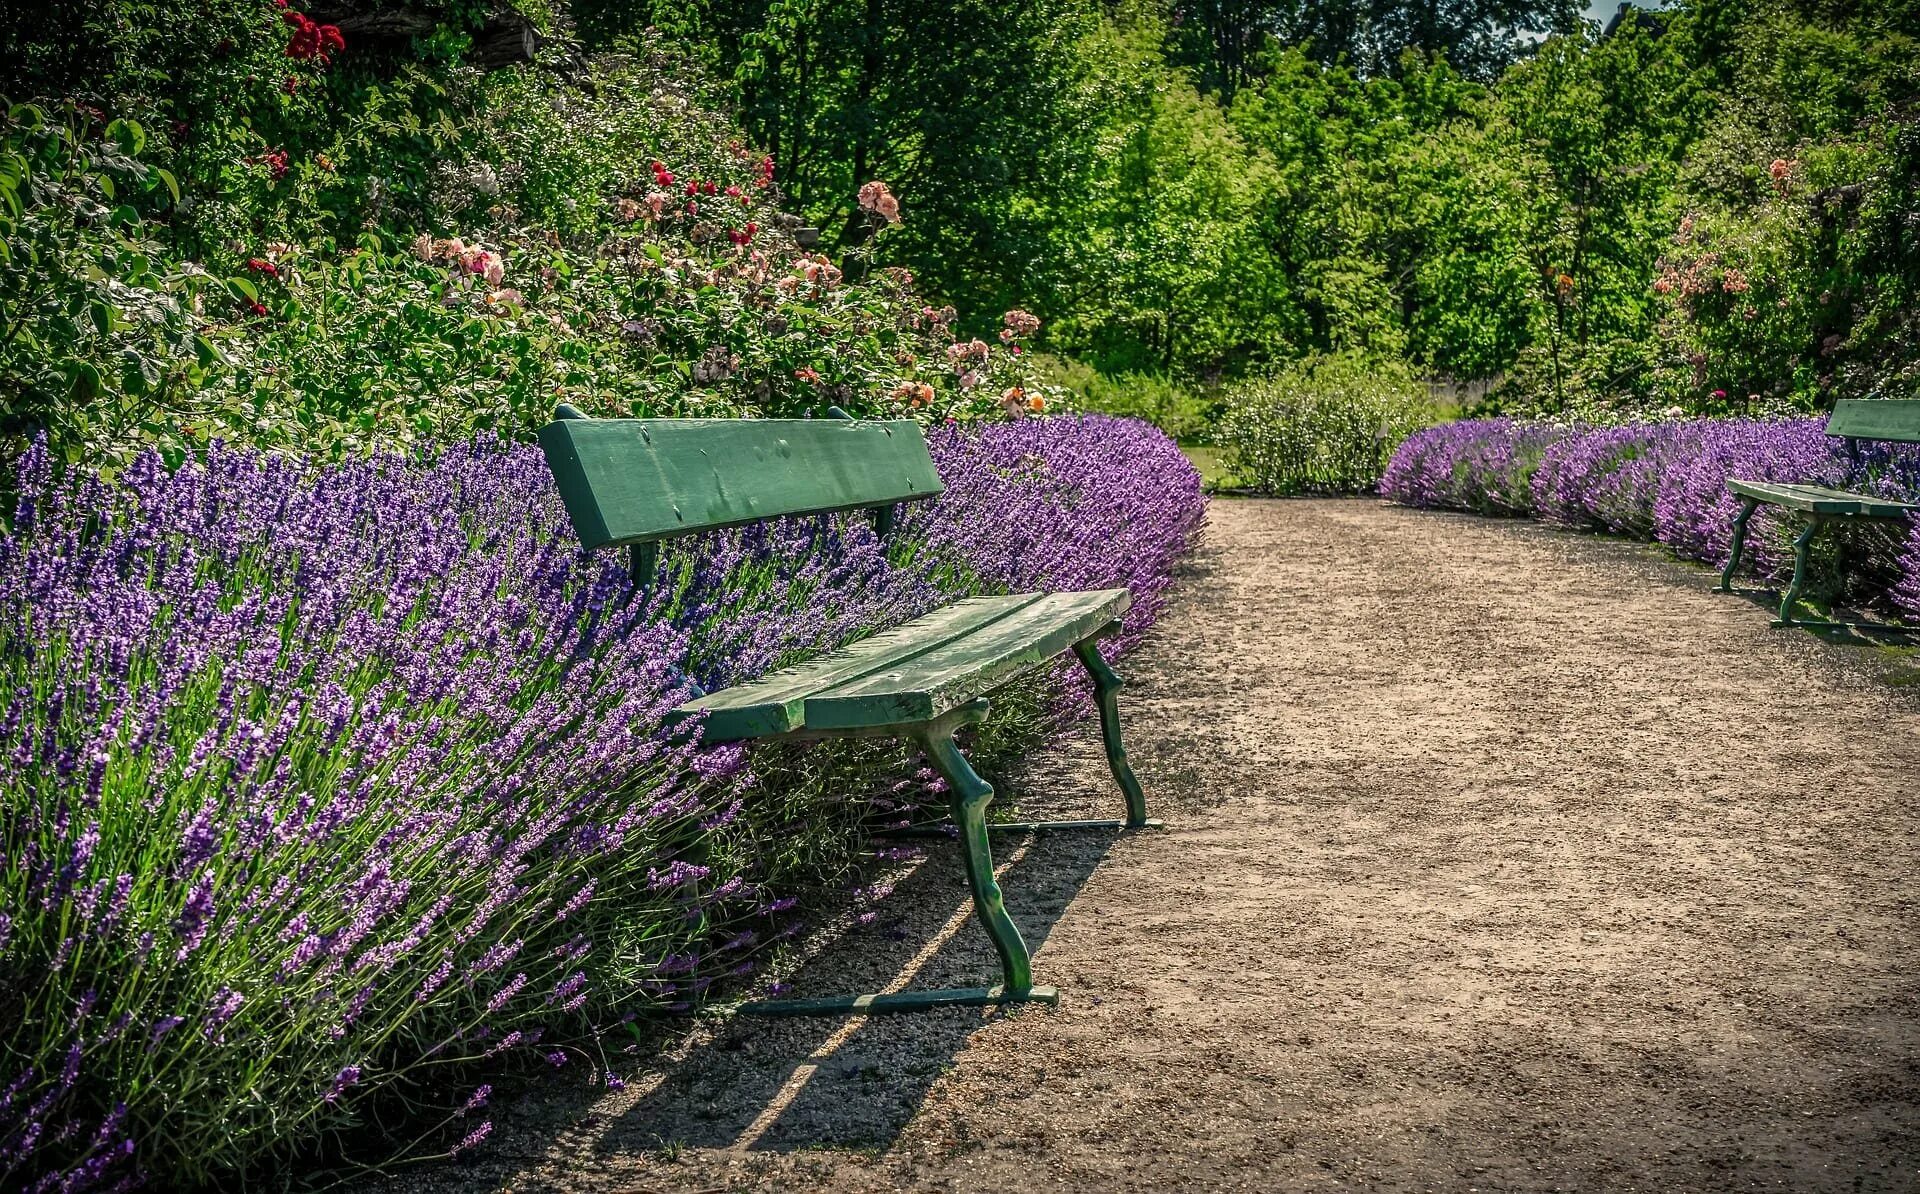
[1747, 506]
[1800, 550]
[1106, 691]
[971, 796]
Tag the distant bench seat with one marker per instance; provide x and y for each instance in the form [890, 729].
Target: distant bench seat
[1854, 420]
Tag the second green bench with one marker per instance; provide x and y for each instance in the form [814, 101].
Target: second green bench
[1854, 420]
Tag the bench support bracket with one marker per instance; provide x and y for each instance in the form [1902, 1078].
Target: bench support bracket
[1801, 547]
[1106, 691]
[970, 796]
[1786, 618]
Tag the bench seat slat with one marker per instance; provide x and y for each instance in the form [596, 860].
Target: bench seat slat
[927, 685]
[1819, 499]
[772, 704]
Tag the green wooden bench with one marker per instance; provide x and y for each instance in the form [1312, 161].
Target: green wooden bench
[1889, 420]
[635, 482]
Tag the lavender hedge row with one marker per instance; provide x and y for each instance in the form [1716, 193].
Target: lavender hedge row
[325, 781]
[1666, 482]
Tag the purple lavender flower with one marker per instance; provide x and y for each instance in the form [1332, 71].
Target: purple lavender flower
[472, 1139]
[348, 1076]
[1483, 465]
[341, 734]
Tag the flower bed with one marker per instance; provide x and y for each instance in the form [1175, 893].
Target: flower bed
[1668, 482]
[1485, 466]
[324, 779]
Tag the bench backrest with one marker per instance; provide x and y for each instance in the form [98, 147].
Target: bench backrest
[636, 481]
[1896, 419]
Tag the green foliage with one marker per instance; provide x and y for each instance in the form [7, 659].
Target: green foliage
[1365, 204]
[467, 251]
[1545, 229]
[1481, 37]
[1322, 425]
[1191, 195]
[1182, 410]
[1793, 277]
[1164, 271]
[96, 324]
[958, 106]
[1202, 192]
[1597, 129]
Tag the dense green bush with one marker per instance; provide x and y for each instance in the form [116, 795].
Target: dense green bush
[95, 322]
[443, 251]
[1179, 408]
[1600, 224]
[1327, 425]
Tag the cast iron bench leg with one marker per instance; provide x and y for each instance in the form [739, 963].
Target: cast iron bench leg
[971, 796]
[1747, 506]
[1800, 546]
[1106, 691]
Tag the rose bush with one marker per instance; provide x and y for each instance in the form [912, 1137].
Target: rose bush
[344, 300]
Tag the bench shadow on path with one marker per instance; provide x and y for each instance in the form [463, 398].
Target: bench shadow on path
[1865, 630]
[783, 1084]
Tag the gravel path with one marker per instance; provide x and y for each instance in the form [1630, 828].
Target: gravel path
[1497, 858]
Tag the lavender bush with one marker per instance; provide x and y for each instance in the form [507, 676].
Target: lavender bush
[1115, 504]
[325, 779]
[1611, 478]
[1483, 465]
[1666, 482]
[1696, 510]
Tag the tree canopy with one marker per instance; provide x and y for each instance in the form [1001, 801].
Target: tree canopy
[1485, 188]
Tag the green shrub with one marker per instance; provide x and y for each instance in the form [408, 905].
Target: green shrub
[1327, 425]
[537, 265]
[96, 324]
[1181, 410]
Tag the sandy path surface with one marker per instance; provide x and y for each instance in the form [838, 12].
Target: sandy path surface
[1497, 858]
